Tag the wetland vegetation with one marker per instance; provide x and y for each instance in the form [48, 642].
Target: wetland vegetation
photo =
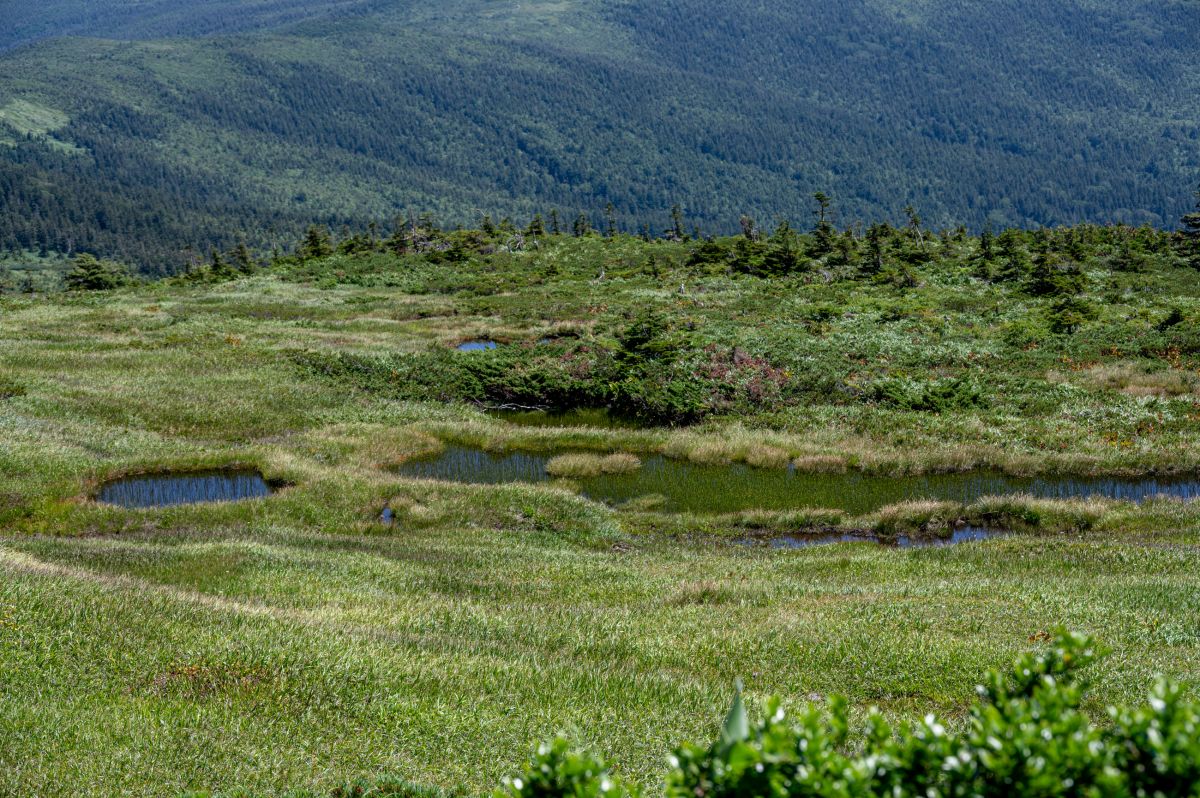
[911, 385]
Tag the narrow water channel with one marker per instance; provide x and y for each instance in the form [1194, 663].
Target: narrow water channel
[680, 486]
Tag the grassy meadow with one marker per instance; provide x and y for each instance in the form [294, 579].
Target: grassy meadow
[291, 643]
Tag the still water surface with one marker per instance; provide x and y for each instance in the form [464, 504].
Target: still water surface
[691, 487]
[163, 490]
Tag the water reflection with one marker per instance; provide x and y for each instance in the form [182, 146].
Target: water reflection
[964, 534]
[163, 490]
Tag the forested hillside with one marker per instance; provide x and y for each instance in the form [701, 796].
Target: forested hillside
[1015, 112]
[29, 20]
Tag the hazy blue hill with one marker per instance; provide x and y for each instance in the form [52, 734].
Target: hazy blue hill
[24, 21]
[1017, 111]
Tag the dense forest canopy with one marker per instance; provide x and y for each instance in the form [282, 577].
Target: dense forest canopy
[221, 121]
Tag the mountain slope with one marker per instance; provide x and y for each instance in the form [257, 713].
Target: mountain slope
[1012, 111]
[25, 21]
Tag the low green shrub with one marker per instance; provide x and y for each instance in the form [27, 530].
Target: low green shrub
[933, 396]
[10, 388]
[1026, 736]
[90, 274]
[650, 377]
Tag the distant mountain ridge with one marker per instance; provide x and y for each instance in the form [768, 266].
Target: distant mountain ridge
[219, 120]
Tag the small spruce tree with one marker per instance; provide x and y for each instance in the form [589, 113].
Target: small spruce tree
[823, 231]
[316, 243]
[1189, 235]
[582, 226]
[243, 261]
[90, 274]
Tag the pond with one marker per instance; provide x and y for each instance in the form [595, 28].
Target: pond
[680, 486]
[476, 346]
[594, 417]
[164, 490]
[963, 534]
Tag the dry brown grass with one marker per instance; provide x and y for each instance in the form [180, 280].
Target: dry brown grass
[821, 464]
[1133, 379]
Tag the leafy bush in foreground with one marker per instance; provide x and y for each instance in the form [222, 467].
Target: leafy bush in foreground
[1025, 737]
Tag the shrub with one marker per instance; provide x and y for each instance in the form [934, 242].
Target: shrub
[1026, 736]
[934, 396]
[89, 274]
[1069, 314]
[558, 770]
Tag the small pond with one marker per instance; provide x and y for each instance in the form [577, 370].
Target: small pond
[680, 486]
[476, 346]
[963, 534]
[163, 490]
[596, 418]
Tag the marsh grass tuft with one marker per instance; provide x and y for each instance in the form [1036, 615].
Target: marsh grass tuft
[917, 518]
[821, 464]
[708, 592]
[582, 465]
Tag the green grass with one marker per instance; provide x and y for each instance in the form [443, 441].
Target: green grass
[294, 642]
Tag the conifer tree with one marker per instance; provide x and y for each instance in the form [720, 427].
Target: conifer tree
[1014, 260]
[1190, 235]
[823, 230]
[316, 243]
[677, 223]
[877, 235]
[243, 261]
[582, 226]
[89, 274]
[219, 267]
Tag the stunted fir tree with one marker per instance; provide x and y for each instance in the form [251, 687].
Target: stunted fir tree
[243, 261]
[823, 231]
[677, 233]
[1189, 235]
[220, 268]
[316, 243]
[878, 238]
[89, 274]
[582, 227]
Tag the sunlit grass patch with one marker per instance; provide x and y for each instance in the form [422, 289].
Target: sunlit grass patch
[574, 466]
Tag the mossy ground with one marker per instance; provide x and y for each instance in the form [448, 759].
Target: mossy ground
[295, 642]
